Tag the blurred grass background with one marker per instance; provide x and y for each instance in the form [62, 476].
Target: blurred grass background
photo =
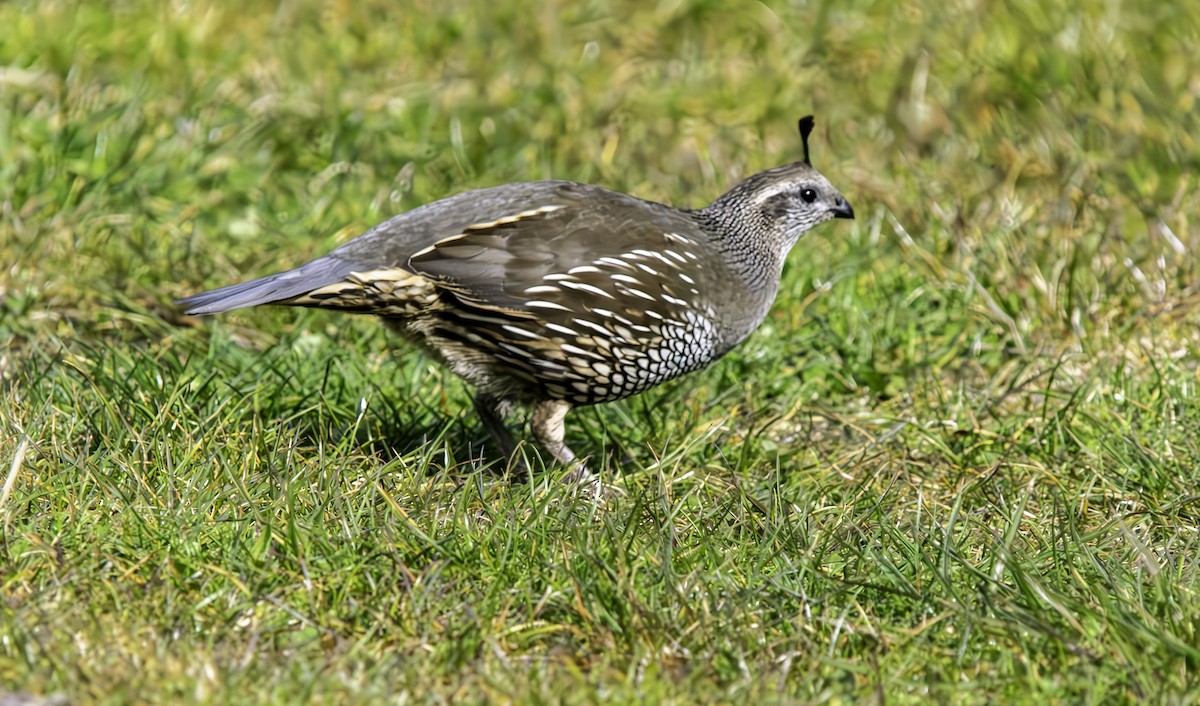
[957, 464]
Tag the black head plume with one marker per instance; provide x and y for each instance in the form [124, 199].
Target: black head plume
[806, 128]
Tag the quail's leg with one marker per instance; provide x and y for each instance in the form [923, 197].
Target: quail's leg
[548, 431]
[489, 410]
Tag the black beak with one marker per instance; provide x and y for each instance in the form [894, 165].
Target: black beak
[841, 208]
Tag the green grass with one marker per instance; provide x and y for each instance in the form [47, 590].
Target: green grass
[959, 462]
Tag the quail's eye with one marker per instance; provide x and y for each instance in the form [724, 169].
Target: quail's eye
[809, 195]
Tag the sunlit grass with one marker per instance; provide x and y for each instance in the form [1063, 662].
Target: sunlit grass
[957, 463]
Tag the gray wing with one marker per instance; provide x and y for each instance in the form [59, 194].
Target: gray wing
[566, 237]
[491, 243]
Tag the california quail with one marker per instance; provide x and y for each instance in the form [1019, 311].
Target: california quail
[557, 294]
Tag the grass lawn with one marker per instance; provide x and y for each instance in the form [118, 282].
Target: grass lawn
[958, 463]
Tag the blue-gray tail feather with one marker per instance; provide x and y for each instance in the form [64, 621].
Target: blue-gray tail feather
[272, 289]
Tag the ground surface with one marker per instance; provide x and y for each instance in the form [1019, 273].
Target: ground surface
[958, 463]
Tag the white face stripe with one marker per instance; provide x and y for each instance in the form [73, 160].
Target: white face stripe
[793, 186]
[786, 187]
